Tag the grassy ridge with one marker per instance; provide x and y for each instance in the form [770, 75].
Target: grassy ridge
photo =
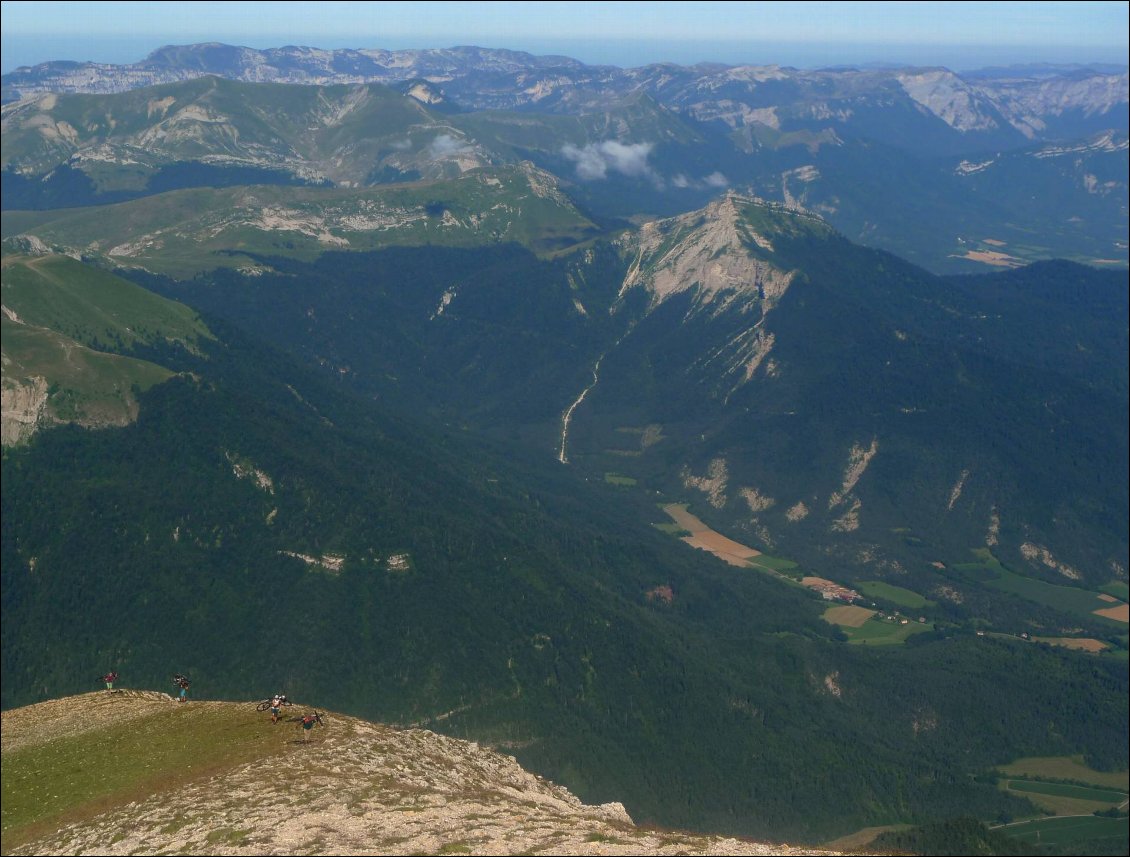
[86, 386]
[77, 776]
[62, 317]
[182, 232]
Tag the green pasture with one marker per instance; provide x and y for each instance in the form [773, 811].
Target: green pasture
[1067, 768]
[1063, 831]
[894, 594]
[1069, 599]
[882, 632]
[1118, 588]
[775, 563]
[619, 479]
[1066, 790]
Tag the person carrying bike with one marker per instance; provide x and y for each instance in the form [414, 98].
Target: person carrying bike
[277, 702]
[110, 678]
[311, 719]
[183, 683]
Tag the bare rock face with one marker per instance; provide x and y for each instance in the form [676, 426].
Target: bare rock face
[723, 256]
[22, 407]
[355, 788]
[708, 251]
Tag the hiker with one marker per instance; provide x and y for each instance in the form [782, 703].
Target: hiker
[181, 682]
[308, 723]
[110, 678]
[277, 702]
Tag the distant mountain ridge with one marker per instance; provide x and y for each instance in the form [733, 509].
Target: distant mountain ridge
[951, 173]
[983, 110]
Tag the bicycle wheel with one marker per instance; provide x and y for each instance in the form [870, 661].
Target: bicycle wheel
[263, 706]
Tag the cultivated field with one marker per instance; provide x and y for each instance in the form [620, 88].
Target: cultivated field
[773, 563]
[1083, 644]
[881, 632]
[1067, 768]
[1063, 831]
[704, 538]
[992, 257]
[1121, 613]
[848, 616]
[1067, 790]
[1069, 599]
[862, 838]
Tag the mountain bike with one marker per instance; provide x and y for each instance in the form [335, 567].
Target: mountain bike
[266, 703]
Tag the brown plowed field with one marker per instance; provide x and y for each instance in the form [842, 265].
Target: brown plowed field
[848, 616]
[1121, 613]
[704, 538]
[1085, 644]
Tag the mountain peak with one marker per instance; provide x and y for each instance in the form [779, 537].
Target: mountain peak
[722, 252]
[212, 777]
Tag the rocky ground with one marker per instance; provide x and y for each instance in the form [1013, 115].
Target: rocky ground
[355, 788]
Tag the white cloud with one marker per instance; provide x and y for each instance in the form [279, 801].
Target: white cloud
[714, 180]
[590, 163]
[596, 159]
[445, 145]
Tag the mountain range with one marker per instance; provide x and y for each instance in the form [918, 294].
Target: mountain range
[951, 172]
[420, 404]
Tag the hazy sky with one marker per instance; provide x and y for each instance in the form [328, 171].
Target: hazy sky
[959, 35]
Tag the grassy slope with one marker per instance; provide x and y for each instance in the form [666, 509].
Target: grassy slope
[85, 386]
[93, 306]
[69, 315]
[70, 760]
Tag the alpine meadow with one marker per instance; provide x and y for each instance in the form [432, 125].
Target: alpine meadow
[743, 444]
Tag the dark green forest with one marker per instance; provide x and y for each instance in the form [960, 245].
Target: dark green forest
[1016, 380]
[523, 613]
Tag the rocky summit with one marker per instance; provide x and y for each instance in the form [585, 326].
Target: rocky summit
[239, 784]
